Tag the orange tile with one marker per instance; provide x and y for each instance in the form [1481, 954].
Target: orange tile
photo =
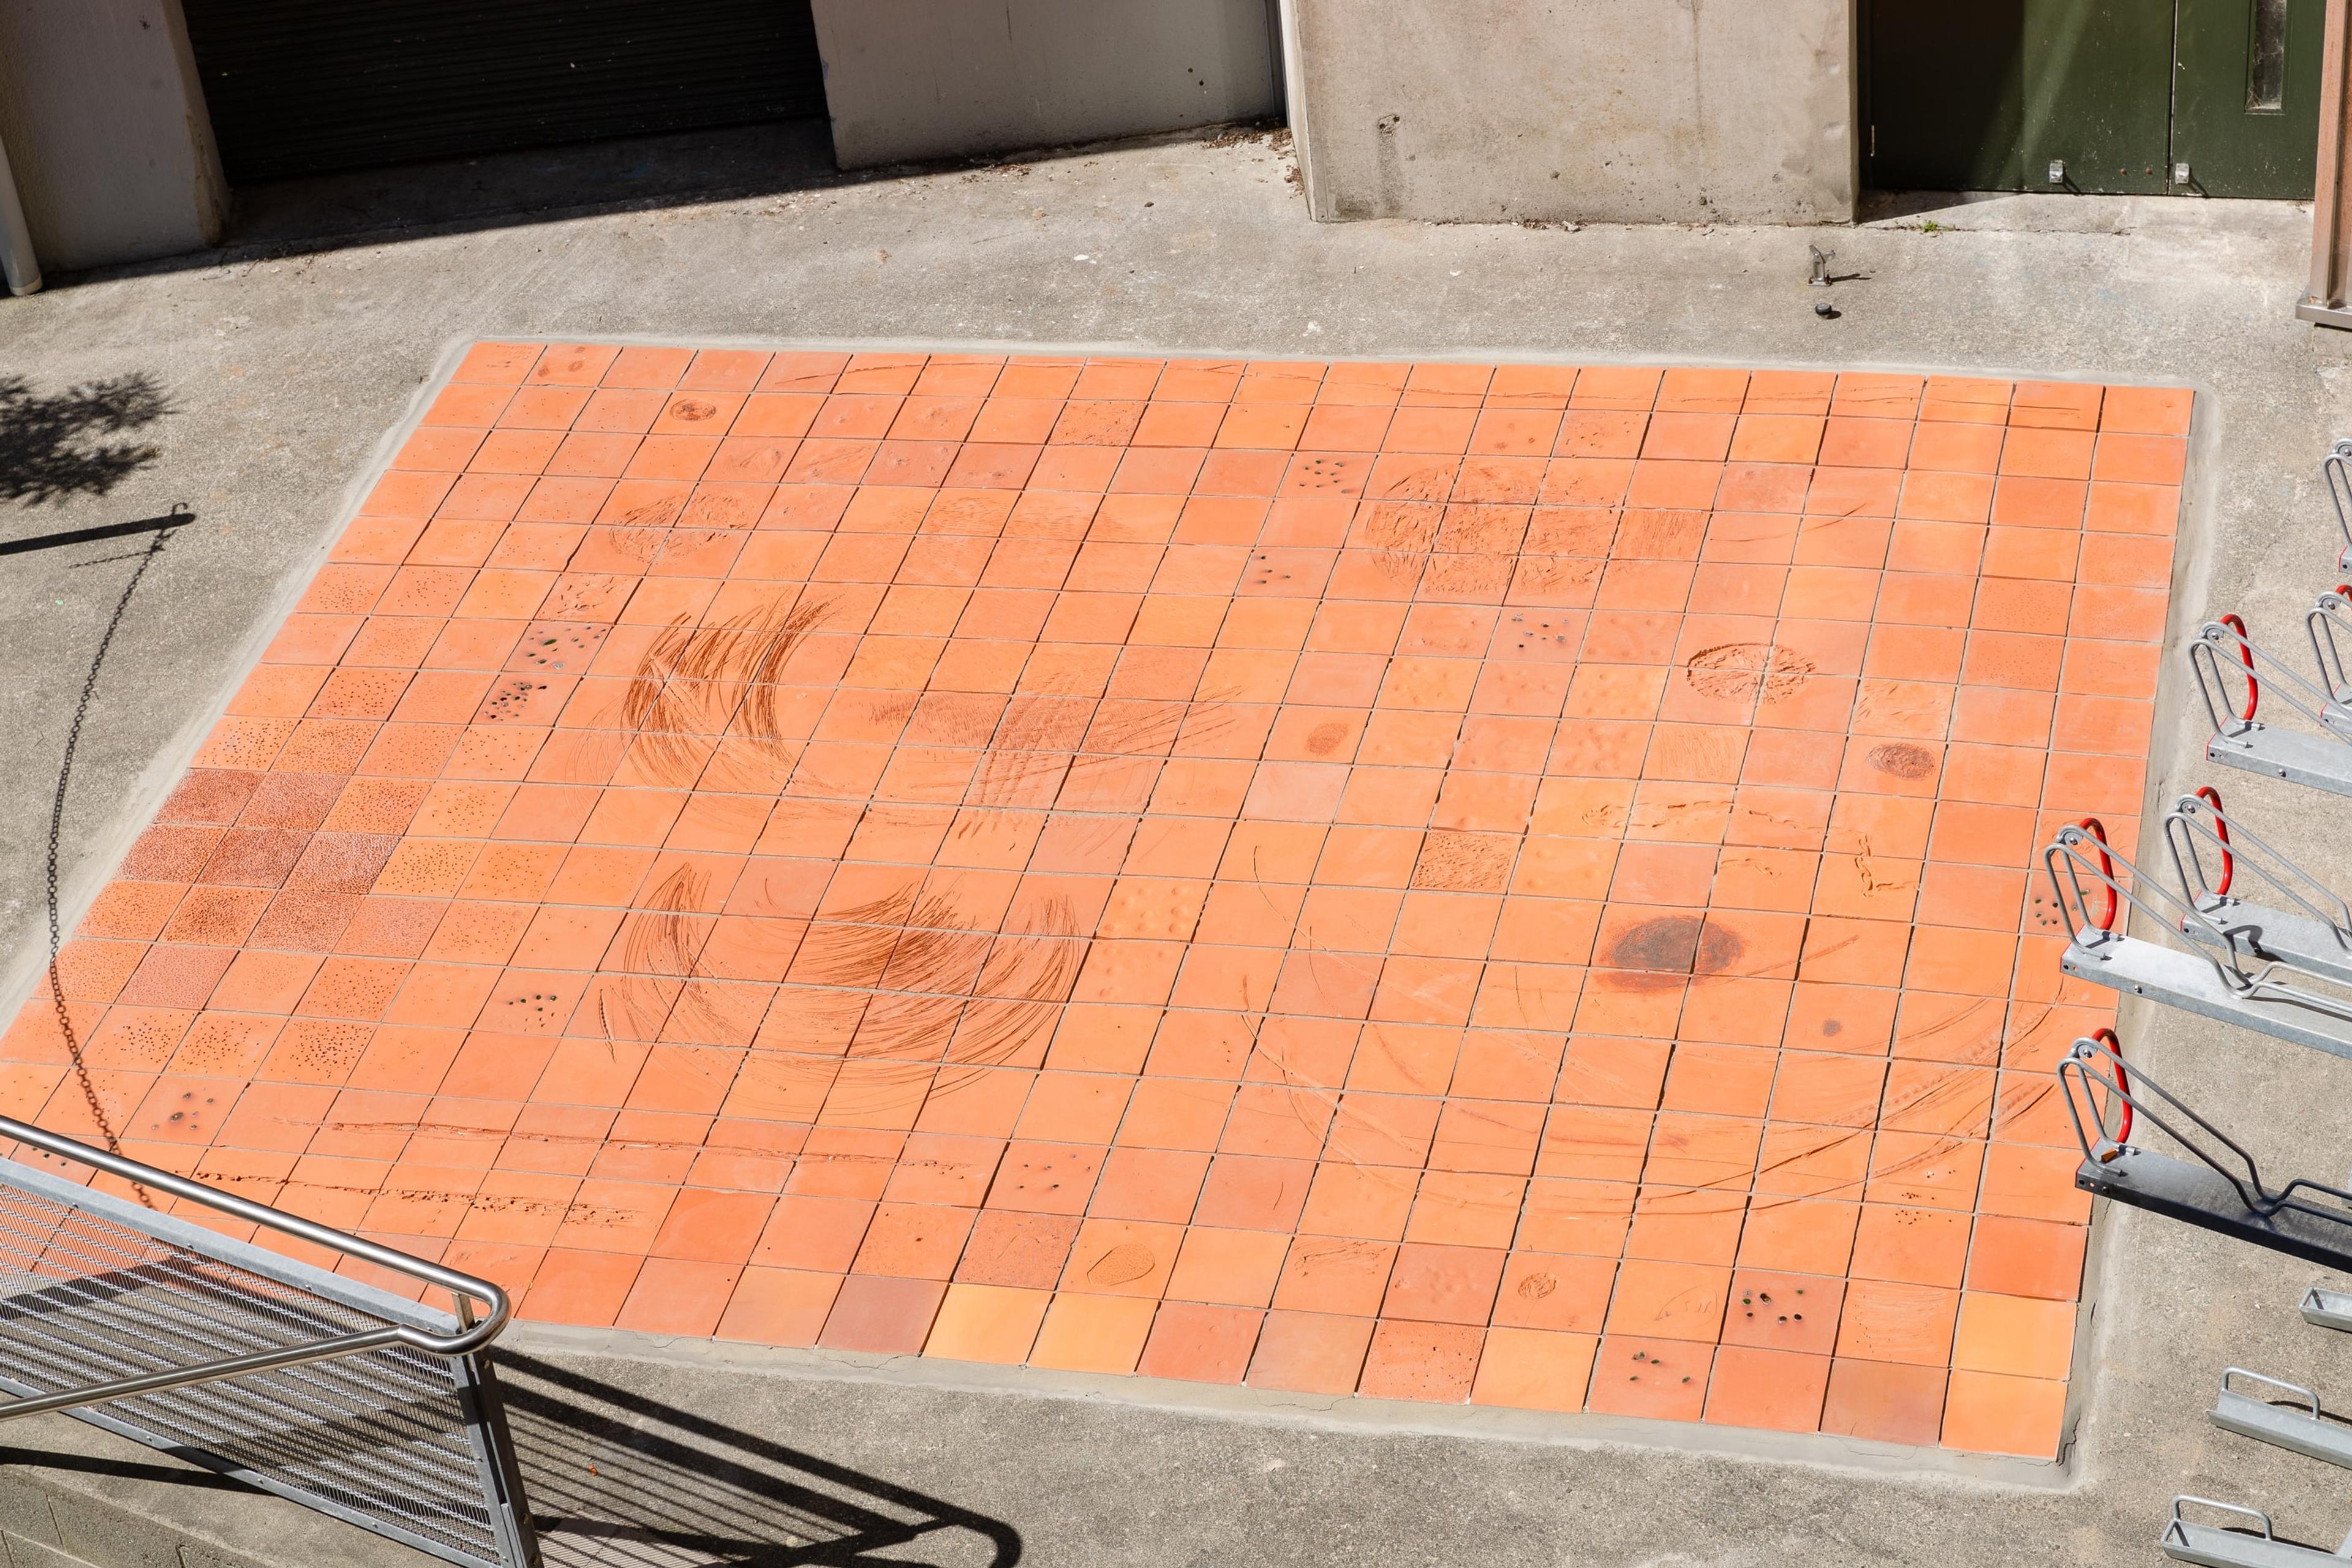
[1533, 1369]
[1668, 1302]
[1436, 1363]
[1665, 1380]
[882, 1315]
[1309, 1353]
[1782, 1390]
[674, 1296]
[1200, 1344]
[1908, 1323]
[2014, 1335]
[1885, 1402]
[987, 1324]
[584, 1287]
[2023, 1257]
[1093, 1333]
[1989, 1413]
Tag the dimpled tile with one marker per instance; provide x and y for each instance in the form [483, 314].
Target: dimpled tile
[1445, 882]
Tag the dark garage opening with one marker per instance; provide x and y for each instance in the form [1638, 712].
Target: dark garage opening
[297, 87]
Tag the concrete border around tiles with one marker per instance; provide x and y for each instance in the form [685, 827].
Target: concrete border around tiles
[1327, 1413]
[453, 349]
[2192, 548]
[2170, 753]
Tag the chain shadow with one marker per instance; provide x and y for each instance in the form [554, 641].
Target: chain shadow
[50, 445]
[617, 1480]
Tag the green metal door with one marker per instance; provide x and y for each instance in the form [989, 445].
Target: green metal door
[2093, 96]
[1946, 95]
[2245, 116]
[2096, 75]
[1986, 96]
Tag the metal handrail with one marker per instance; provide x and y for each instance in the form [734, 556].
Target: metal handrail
[476, 1328]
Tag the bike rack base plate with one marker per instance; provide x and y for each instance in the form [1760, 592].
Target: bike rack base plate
[2218, 1548]
[2177, 979]
[2196, 1195]
[2297, 1431]
[2286, 754]
[2327, 1309]
[2298, 939]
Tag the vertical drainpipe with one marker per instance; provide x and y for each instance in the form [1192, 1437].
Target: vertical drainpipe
[2331, 245]
[1289, 58]
[17, 260]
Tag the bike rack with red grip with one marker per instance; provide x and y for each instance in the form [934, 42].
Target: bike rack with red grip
[2229, 973]
[2215, 1185]
[2328, 620]
[2291, 919]
[2219, 1171]
[2321, 760]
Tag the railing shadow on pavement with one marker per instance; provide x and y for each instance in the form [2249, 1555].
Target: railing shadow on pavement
[618, 1481]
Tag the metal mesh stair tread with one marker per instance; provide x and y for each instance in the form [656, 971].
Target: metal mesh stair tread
[380, 1433]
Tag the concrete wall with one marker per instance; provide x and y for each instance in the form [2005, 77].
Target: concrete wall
[1613, 111]
[931, 79]
[106, 131]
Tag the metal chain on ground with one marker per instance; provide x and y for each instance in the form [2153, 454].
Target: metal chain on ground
[57, 829]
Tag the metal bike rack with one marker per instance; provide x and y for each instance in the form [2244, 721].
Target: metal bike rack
[2227, 980]
[349, 1399]
[2327, 1309]
[2186, 1541]
[2219, 1188]
[2301, 1431]
[2335, 468]
[2314, 935]
[2323, 761]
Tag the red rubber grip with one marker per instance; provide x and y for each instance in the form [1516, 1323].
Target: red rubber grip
[2246, 657]
[2123, 1081]
[2098, 832]
[2212, 798]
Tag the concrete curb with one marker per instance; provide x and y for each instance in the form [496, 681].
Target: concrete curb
[72, 1496]
[1333, 1414]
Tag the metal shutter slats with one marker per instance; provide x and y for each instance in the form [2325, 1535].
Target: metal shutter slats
[297, 87]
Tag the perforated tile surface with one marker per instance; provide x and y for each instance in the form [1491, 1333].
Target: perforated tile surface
[1454, 882]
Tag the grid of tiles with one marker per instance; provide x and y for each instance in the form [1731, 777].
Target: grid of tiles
[1457, 882]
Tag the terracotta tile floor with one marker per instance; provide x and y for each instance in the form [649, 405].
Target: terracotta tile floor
[1457, 882]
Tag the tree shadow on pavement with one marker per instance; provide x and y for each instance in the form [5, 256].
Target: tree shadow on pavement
[53, 446]
[617, 1480]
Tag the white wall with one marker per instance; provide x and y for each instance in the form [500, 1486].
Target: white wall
[909, 80]
[106, 131]
[1613, 111]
